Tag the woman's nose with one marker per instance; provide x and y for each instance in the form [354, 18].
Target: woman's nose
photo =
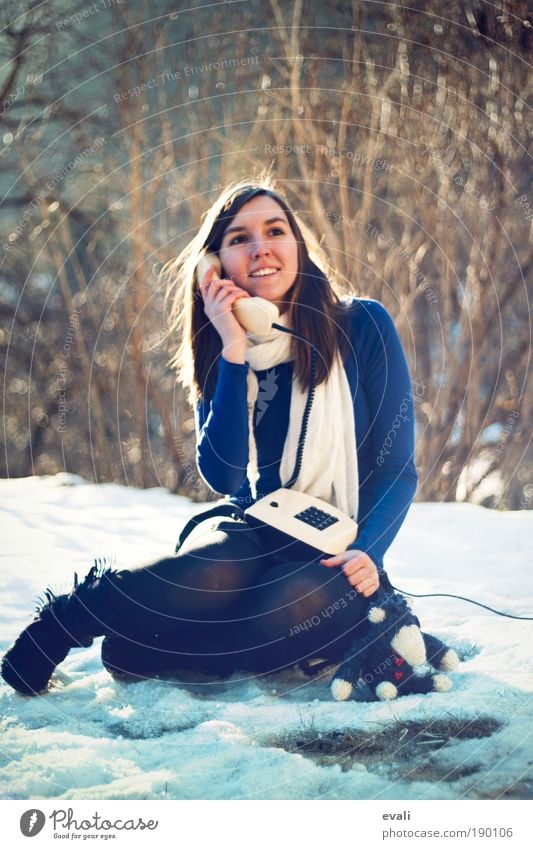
[260, 248]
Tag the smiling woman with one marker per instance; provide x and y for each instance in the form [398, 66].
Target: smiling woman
[265, 251]
[232, 597]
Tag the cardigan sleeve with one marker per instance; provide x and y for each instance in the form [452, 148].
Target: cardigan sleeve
[222, 430]
[392, 482]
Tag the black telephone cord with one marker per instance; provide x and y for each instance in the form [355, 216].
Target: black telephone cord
[310, 397]
[461, 598]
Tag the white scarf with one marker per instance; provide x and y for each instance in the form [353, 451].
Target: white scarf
[329, 463]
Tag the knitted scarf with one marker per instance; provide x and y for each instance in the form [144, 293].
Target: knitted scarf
[329, 461]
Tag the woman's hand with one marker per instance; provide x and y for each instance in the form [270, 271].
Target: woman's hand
[359, 569]
[219, 296]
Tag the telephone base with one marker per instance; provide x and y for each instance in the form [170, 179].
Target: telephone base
[297, 516]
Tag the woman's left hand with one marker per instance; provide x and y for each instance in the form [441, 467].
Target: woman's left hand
[359, 569]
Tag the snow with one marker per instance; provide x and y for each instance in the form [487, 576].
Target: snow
[91, 737]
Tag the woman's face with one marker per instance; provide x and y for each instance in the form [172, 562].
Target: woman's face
[259, 251]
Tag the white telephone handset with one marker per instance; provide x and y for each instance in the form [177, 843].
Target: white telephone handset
[256, 315]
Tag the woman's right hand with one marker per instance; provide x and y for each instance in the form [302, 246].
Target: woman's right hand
[219, 295]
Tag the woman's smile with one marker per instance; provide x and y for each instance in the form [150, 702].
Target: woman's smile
[264, 272]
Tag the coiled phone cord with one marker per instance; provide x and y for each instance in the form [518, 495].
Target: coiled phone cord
[308, 405]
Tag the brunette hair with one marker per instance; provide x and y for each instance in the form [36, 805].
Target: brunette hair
[314, 309]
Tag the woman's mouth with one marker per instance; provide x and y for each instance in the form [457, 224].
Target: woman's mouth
[264, 272]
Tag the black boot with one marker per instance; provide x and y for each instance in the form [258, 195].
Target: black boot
[63, 622]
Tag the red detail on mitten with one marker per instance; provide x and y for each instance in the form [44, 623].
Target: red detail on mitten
[398, 676]
[399, 661]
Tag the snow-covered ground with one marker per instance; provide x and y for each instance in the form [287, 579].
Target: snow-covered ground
[90, 737]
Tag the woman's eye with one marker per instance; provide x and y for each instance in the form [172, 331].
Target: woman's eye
[274, 231]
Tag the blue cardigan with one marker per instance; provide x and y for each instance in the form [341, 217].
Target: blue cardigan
[379, 381]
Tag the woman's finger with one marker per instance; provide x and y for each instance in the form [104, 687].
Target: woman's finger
[359, 578]
[358, 568]
[226, 296]
[366, 587]
[355, 566]
[212, 282]
[212, 290]
[208, 276]
[224, 286]
[359, 573]
[226, 300]
[339, 559]
[332, 561]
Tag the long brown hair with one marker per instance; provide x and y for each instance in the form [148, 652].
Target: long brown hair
[314, 307]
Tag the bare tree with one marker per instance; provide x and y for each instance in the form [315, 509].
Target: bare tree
[401, 137]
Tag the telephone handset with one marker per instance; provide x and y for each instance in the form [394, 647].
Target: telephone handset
[256, 315]
[287, 514]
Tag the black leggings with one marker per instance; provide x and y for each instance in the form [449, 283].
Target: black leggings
[229, 601]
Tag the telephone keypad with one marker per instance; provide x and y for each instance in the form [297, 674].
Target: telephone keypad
[318, 519]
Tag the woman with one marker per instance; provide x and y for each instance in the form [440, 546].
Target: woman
[231, 598]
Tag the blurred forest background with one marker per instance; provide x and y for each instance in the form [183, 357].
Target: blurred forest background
[121, 121]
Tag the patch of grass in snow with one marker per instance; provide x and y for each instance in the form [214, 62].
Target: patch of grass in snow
[521, 789]
[404, 749]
